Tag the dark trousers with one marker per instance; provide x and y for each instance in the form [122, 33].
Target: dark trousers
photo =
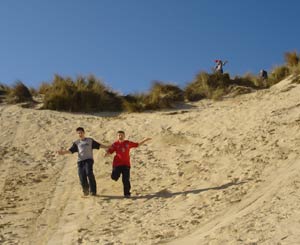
[125, 171]
[86, 176]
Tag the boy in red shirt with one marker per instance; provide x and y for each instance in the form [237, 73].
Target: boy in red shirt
[121, 162]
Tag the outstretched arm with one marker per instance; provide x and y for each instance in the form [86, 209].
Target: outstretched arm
[110, 150]
[97, 145]
[104, 146]
[144, 141]
[63, 152]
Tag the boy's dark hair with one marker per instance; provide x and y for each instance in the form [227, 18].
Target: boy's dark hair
[121, 132]
[79, 129]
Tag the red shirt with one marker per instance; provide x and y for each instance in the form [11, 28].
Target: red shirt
[122, 149]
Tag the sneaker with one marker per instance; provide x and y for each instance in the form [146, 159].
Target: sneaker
[93, 194]
[127, 195]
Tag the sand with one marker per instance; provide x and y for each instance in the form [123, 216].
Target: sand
[215, 172]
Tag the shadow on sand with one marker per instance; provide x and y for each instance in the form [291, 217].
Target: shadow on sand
[167, 194]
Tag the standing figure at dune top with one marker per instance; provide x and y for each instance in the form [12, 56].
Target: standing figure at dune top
[219, 66]
[84, 147]
[263, 74]
[121, 162]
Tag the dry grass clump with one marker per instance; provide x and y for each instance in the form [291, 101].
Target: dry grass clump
[163, 96]
[291, 58]
[212, 86]
[134, 103]
[278, 74]
[85, 94]
[160, 96]
[19, 93]
[4, 90]
[292, 66]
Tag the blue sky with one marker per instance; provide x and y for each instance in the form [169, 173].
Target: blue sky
[130, 43]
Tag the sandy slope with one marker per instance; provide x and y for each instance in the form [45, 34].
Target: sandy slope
[215, 173]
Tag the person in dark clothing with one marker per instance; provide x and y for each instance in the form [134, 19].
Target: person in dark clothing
[263, 78]
[263, 74]
[121, 162]
[84, 147]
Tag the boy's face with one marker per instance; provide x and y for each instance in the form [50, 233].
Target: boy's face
[121, 136]
[80, 134]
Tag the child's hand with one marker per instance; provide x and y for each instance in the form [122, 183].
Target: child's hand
[60, 152]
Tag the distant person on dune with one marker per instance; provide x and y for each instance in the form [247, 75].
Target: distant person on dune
[263, 74]
[84, 147]
[219, 66]
[121, 162]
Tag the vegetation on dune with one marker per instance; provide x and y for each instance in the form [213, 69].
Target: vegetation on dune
[89, 94]
[291, 58]
[215, 86]
[160, 96]
[85, 94]
[4, 90]
[19, 93]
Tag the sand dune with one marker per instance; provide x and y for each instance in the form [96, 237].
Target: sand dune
[224, 172]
